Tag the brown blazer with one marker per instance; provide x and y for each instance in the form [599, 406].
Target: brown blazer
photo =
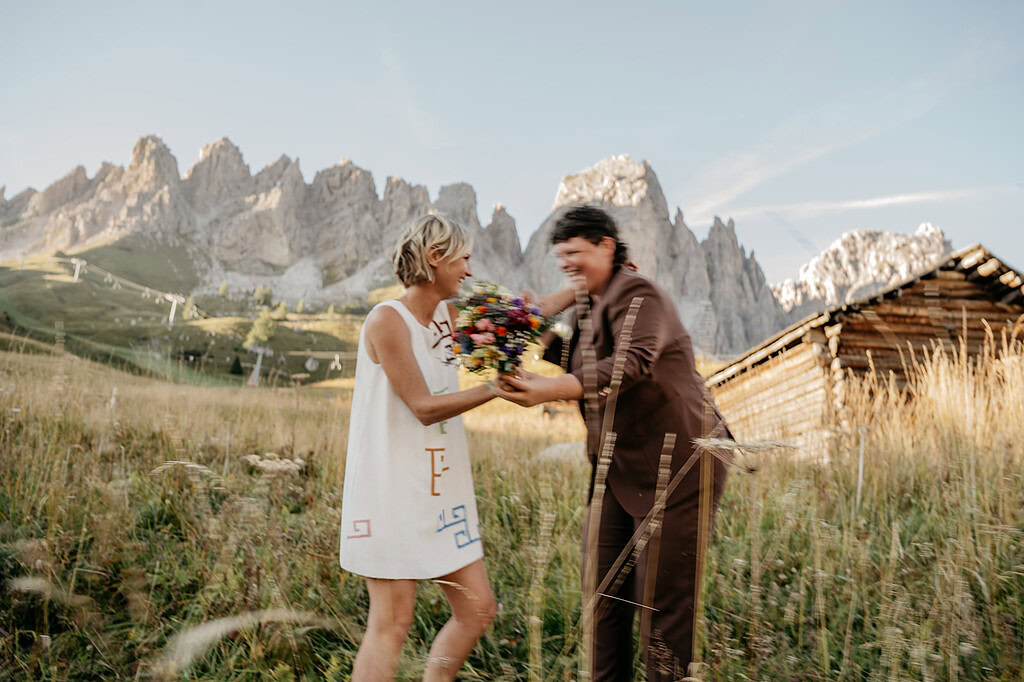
[661, 391]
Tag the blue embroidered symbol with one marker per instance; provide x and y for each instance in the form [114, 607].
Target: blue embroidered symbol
[463, 538]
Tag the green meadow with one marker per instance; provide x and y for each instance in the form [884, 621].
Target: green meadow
[160, 521]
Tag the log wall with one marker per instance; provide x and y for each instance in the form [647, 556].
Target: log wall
[929, 314]
[801, 389]
[781, 398]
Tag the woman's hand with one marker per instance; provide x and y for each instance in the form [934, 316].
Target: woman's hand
[528, 389]
[521, 387]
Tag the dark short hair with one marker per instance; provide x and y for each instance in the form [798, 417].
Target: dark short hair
[592, 224]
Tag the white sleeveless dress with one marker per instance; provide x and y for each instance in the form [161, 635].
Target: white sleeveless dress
[408, 509]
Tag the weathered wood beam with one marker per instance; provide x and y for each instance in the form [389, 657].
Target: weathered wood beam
[768, 350]
[989, 267]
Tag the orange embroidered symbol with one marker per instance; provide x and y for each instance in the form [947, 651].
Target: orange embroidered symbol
[436, 460]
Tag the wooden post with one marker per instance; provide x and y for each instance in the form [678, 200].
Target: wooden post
[706, 493]
[653, 550]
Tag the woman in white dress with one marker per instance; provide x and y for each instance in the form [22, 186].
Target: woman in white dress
[408, 507]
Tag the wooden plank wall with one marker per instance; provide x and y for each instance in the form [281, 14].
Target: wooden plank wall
[928, 313]
[783, 397]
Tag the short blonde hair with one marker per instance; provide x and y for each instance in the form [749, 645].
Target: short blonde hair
[423, 235]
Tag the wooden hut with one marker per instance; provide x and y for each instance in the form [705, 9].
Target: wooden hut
[792, 386]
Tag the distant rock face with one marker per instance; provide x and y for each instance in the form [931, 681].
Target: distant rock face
[327, 239]
[858, 264]
[146, 197]
[331, 239]
[719, 290]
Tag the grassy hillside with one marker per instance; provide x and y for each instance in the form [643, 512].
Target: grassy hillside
[129, 517]
[140, 259]
[97, 320]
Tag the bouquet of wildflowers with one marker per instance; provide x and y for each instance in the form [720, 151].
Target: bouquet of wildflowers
[494, 328]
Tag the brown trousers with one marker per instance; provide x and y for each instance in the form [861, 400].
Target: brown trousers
[667, 632]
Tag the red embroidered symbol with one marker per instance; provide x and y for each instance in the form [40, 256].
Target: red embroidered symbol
[360, 529]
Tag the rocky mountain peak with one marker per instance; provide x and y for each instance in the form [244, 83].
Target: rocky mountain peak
[859, 263]
[502, 233]
[458, 200]
[223, 148]
[220, 174]
[720, 291]
[343, 184]
[724, 233]
[152, 163]
[65, 190]
[616, 180]
[281, 171]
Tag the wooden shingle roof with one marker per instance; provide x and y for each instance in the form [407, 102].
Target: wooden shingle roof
[996, 278]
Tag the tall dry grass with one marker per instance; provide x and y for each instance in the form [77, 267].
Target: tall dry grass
[111, 558]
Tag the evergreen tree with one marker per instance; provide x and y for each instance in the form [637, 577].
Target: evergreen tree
[236, 366]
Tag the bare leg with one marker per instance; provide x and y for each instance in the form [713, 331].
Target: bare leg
[391, 610]
[473, 610]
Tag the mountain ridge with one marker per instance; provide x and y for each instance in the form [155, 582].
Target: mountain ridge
[330, 238]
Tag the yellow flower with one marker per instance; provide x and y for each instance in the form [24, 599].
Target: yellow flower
[457, 349]
[492, 300]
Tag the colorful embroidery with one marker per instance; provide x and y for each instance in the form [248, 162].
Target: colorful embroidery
[434, 472]
[463, 538]
[444, 332]
[360, 529]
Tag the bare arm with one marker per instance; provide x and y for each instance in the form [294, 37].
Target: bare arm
[557, 302]
[388, 344]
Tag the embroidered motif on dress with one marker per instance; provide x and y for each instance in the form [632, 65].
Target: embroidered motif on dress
[434, 473]
[463, 538]
[443, 337]
[360, 529]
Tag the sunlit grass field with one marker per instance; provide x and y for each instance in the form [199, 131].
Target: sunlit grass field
[128, 517]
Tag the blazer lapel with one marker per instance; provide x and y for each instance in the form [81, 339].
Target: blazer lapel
[611, 293]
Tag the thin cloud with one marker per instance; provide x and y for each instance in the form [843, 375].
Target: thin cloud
[811, 209]
[841, 125]
[794, 232]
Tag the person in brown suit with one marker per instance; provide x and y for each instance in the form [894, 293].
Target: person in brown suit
[660, 393]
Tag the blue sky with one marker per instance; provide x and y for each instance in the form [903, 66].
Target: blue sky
[799, 119]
